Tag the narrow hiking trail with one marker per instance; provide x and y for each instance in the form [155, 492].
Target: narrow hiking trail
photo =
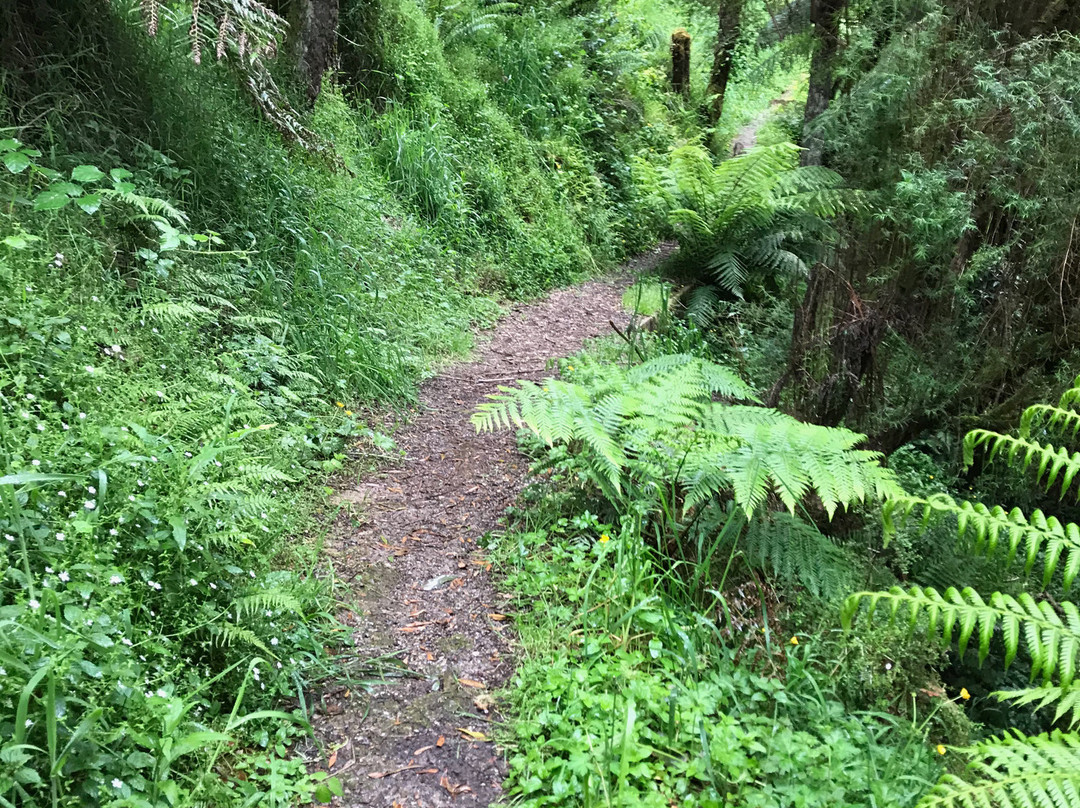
[406, 542]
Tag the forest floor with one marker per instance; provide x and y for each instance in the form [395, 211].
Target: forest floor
[406, 542]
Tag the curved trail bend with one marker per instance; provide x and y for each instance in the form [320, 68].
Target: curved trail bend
[423, 590]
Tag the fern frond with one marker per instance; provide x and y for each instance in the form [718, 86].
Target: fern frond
[1052, 460]
[1040, 771]
[1051, 639]
[1065, 699]
[797, 552]
[1036, 534]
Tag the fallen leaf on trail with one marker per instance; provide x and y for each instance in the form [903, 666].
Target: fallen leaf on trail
[423, 749]
[484, 702]
[453, 790]
[470, 683]
[473, 735]
[497, 616]
[438, 582]
[441, 741]
[333, 759]
[430, 657]
[428, 771]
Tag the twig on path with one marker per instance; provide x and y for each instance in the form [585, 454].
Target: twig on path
[378, 775]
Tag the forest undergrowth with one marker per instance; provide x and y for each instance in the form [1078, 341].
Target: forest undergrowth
[200, 322]
[231, 244]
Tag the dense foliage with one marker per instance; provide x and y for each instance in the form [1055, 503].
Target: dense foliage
[231, 232]
[193, 308]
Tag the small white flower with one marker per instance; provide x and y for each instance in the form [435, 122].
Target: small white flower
[127, 642]
[35, 462]
[89, 504]
[269, 613]
[140, 483]
[278, 665]
[91, 489]
[29, 396]
[213, 586]
[61, 493]
[49, 569]
[115, 579]
[28, 723]
[33, 603]
[131, 497]
[82, 416]
[153, 459]
[888, 666]
[24, 414]
[89, 368]
[60, 537]
[193, 582]
[63, 576]
[9, 537]
[117, 783]
[117, 349]
[161, 692]
[41, 427]
[160, 394]
[251, 573]
[113, 531]
[154, 585]
[65, 425]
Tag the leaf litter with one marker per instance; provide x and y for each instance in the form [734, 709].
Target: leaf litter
[422, 592]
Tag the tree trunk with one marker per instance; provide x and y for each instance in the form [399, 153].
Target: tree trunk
[727, 34]
[314, 27]
[825, 17]
[680, 61]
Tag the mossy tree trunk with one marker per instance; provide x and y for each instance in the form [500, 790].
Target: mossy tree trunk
[680, 61]
[312, 41]
[727, 35]
[825, 18]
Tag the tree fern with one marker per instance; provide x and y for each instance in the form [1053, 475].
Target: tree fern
[657, 423]
[1013, 770]
[755, 215]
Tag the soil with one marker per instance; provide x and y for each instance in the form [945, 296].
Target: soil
[407, 541]
[747, 137]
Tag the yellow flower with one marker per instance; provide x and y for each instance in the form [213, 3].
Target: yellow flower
[794, 641]
[348, 412]
[339, 404]
[569, 367]
[964, 694]
[941, 749]
[604, 538]
[931, 476]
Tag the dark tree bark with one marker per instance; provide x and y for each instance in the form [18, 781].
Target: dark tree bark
[680, 61]
[314, 33]
[727, 34]
[825, 17]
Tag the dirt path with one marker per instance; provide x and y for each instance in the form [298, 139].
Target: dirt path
[422, 587]
[747, 137]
